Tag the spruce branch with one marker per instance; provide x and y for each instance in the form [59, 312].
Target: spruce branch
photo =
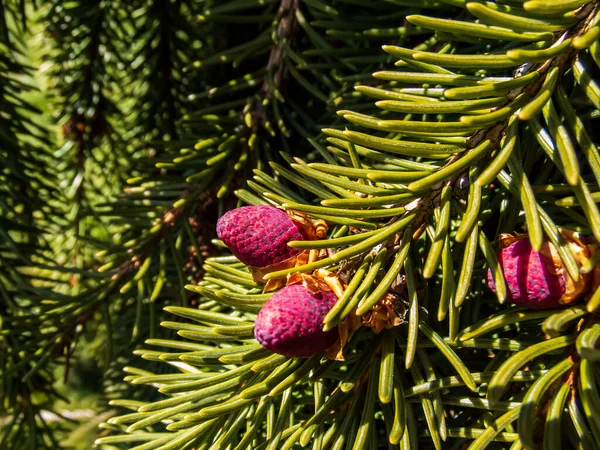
[27, 182]
[484, 126]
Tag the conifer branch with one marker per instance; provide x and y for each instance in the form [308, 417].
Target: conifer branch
[482, 127]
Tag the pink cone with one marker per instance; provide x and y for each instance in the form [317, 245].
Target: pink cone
[258, 235]
[530, 279]
[290, 322]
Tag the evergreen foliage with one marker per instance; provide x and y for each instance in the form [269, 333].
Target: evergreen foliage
[476, 119]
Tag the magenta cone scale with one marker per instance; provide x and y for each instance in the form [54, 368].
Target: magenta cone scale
[290, 322]
[258, 235]
[530, 277]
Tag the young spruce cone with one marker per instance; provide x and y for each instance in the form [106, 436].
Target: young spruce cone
[538, 280]
[291, 321]
[258, 235]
